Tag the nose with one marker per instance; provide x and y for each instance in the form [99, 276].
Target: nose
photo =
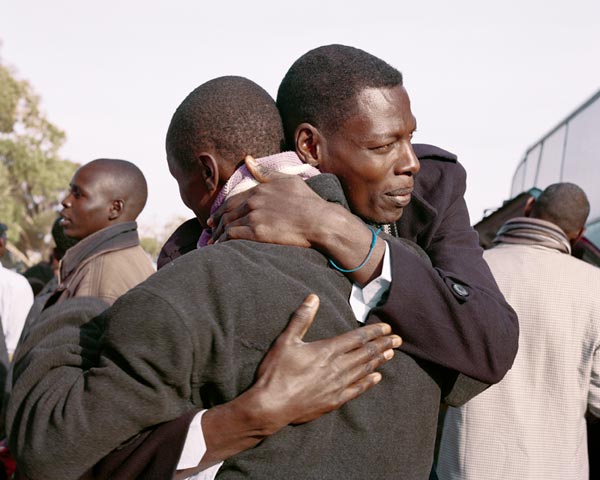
[407, 162]
[66, 202]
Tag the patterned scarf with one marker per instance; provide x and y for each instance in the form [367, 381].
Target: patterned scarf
[533, 231]
[242, 180]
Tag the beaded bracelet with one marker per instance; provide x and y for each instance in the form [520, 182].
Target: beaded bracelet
[374, 234]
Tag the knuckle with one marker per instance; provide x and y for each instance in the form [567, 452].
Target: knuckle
[301, 312]
[372, 350]
[369, 367]
[227, 206]
[224, 219]
[251, 202]
[228, 233]
[253, 217]
[362, 336]
[389, 343]
[260, 232]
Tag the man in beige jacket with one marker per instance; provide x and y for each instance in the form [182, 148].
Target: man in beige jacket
[532, 425]
[105, 198]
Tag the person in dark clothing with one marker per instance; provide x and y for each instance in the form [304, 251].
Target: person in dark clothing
[407, 438]
[462, 323]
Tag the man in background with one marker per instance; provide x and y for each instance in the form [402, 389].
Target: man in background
[532, 425]
[16, 298]
[106, 196]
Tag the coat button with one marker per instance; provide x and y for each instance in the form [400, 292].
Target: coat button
[460, 290]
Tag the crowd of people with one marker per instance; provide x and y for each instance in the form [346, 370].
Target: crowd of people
[327, 298]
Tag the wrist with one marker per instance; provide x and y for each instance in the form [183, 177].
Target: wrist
[235, 426]
[260, 412]
[330, 234]
[347, 240]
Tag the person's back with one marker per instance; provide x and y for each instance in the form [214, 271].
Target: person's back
[532, 424]
[366, 438]
[176, 342]
[193, 335]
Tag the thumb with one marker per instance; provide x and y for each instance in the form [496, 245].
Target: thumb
[261, 173]
[301, 319]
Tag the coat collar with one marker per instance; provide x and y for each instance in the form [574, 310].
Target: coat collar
[417, 216]
[115, 237]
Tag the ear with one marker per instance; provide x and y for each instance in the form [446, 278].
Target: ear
[117, 207]
[529, 206]
[578, 236]
[309, 144]
[209, 171]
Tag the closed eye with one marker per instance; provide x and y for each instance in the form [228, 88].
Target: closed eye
[383, 148]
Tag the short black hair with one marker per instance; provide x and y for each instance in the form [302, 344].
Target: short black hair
[564, 204]
[320, 87]
[232, 114]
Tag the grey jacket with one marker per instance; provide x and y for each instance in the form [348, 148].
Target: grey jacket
[192, 336]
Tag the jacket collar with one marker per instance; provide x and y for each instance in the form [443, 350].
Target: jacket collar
[417, 216]
[116, 237]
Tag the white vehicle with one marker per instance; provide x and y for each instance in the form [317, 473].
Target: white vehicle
[570, 152]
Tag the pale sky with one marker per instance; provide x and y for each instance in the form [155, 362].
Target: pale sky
[486, 79]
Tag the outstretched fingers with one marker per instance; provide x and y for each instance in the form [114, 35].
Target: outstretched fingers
[359, 387]
[359, 337]
[359, 364]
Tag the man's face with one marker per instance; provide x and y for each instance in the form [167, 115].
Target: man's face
[86, 209]
[372, 155]
[192, 190]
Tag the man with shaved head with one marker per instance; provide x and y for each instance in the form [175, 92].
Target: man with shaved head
[533, 423]
[104, 200]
